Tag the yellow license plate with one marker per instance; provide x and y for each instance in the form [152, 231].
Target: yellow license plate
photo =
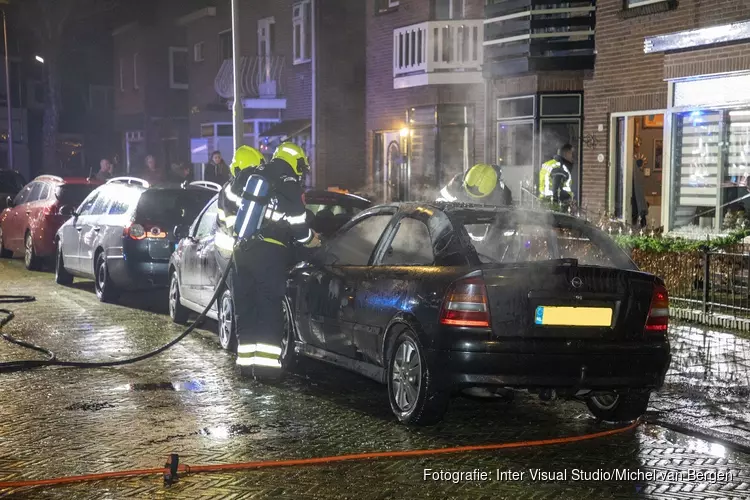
[573, 316]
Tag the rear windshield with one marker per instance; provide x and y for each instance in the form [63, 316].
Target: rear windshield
[11, 182]
[530, 239]
[73, 194]
[172, 205]
[334, 209]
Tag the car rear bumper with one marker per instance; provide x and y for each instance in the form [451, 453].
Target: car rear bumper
[135, 275]
[535, 364]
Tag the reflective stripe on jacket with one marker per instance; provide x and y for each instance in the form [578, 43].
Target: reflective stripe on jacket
[545, 179]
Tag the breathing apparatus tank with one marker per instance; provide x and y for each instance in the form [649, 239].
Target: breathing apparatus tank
[255, 198]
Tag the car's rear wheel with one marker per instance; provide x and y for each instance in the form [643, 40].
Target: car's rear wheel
[30, 258]
[618, 407]
[412, 391]
[106, 290]
[227, 322]
[177, 311]
[288, 356]
[4, 252]
[62, 276]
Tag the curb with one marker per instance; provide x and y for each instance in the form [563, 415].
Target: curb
[736, 445]
[710, 319]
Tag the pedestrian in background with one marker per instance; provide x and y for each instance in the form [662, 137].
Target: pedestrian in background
[105, 170]
[153, 175]
[217, 170]
[180, 173]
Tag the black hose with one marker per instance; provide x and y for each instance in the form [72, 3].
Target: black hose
[30, 364]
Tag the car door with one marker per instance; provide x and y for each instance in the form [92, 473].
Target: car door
[193, 255]
[331, 284]
[15, 223]
[207, 259]
[391, 287]
[35, 209]
[91, 225]
[72, 233]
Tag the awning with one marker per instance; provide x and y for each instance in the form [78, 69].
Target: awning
[288, 128]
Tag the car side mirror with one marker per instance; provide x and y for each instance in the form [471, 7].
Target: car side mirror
[66, 211]
[9, 202]
[180, 231]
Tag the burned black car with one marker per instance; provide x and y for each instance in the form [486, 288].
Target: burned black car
[436, 299]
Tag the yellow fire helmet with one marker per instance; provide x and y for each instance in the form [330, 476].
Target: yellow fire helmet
[480, 180]
[294, 156]
[245, 157]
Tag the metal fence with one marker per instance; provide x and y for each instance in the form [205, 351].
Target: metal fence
[711, 282]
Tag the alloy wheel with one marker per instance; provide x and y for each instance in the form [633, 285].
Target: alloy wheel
[285, 336]
[173, 292]
[226, 320]
[605, 401]
[101, 276]
[407, 375]
[29, 250]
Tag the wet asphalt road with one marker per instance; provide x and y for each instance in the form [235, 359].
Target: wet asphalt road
[190, 401]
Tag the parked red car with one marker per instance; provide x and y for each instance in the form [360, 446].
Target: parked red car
[33, 217]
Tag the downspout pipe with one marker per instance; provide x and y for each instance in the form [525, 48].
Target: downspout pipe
[314, 111]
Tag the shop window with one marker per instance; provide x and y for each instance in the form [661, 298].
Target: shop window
[515, 107]
[555, 132]
[515, 151]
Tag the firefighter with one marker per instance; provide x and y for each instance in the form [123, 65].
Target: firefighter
[558, 170]
[482, 184]
[258, 280]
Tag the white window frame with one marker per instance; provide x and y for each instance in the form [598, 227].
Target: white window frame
[122, 75]
[135, 71]
[198, 55]
[301, 20]
[641, 3]
[172, 83]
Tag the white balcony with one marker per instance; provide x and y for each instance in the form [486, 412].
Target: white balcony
[260, 83]
[438, 53]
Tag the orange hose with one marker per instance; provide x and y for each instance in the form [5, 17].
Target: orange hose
[319, 460]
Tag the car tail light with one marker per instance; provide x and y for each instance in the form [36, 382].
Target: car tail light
[465, 304]
[143, 231]
[658, 314]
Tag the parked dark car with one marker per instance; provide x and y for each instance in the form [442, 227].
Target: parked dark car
[196, 266]
[122, 235]
[29, 225]
[332, 209]
[11, 183]
[435, 299]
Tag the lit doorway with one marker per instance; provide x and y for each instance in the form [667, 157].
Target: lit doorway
[636, 141]
[395, 179]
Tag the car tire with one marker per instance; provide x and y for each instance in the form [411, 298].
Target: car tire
[62, 276]
[227, 323]
[618, 407]
[177, 311]
[288, 355]
[4, 252]
[412, 391]
[30, 258]
[106, 291]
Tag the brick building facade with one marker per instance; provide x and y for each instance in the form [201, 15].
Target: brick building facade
[425, 94]
[303, 74]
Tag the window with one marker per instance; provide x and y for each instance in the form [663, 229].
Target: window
[101, 205]
[224, 130]
[122, 75]
[301, 23]
[36, 190]
[412, 245]
[515, 107]
[448, 9]
[561, 105]
[198, 52]
[629, 4]
[207, 225]
[119, 207]
[207, 130]
[44, 194]
[22, 195]
[354, 247]
[178, 68]
[88, 204]
[135, 71]
[225, 45]
[385, 5]
[572, 243]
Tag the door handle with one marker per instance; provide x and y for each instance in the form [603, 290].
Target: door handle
[79, 229]
[97, 229]
[28, 212]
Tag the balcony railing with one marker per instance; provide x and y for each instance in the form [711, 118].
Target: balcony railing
[261, 78]
[538, 35]
[437, 52]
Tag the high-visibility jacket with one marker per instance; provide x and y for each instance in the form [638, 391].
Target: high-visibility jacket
[545, 178]
[454, 191]
[285, 218]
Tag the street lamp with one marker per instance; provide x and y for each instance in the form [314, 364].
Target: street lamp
[40, 59]
[238, 122]
[8, 102]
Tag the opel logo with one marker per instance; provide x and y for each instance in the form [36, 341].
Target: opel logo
[576, 282]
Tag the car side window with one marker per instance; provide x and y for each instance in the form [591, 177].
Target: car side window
[207, 225]
[101, 205]
[412, 245]
[88, 203]
[44, 194]
[119, 207]
[355, 246]
[23, 195]
[36, 190]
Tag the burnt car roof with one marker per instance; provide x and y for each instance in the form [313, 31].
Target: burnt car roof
[336, 197]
